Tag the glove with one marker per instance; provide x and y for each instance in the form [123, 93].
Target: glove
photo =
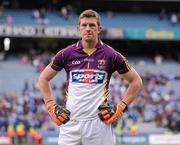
[109, 114]
[58, 114]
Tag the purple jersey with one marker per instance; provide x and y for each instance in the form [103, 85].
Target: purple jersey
[88, 75]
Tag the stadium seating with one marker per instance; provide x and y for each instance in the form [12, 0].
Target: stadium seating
[124, 20]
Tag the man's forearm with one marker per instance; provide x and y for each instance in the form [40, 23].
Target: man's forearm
[46, 91]
[109, 114]
[132, 91]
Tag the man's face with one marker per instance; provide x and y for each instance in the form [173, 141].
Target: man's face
[89, 29]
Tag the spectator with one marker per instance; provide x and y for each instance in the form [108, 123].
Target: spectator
[1, 10]
[162, 15]
[9, 19]
[174, 19]
[40, 16]
[36, 14]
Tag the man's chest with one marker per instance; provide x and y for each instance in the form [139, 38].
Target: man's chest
[96, 61]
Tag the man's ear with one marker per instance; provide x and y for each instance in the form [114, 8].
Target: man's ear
[78, 28]
[100, 29]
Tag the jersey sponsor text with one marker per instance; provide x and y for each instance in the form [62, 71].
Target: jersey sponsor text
[88, 77]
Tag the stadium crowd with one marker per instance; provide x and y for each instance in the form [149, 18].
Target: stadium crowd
[157, 103]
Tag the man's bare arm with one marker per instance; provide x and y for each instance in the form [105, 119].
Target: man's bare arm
[135, 84]
[109, 114]
[58, 114]
[44, 84]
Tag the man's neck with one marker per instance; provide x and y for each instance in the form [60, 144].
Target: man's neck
[89, 45]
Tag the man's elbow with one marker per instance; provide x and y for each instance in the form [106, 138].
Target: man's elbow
[139, 82]
[40, 81]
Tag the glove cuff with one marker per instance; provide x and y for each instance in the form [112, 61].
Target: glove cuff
[49, 101]
[126, 106]
[50, 105]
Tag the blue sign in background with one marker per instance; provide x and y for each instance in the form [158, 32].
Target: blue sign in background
[151, 34]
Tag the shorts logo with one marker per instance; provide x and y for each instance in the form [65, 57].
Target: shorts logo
[88, 77]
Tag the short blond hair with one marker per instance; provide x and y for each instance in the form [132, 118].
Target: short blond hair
[90, 14]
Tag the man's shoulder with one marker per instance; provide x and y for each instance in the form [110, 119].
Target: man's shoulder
[68, 49]
[108, 49]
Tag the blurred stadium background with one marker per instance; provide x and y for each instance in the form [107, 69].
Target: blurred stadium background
[147, 32]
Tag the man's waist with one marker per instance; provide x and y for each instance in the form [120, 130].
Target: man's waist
[83, 118]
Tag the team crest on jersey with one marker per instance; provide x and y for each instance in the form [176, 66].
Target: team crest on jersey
[88, 76]
[101, 63]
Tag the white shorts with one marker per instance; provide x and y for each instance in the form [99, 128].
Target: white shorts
[91, 132]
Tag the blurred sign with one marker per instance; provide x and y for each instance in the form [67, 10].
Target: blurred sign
[4, 140]
[159, 34]
[139, 139]
[52, 31]
[152, 34]
[135, 33]
[50, 140]
[170, 139]
[49, 137]
[113, 33]
[38, 31]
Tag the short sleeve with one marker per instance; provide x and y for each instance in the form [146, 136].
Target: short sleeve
[58, 61]
[121, 64]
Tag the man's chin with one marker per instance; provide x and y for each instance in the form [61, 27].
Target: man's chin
[89, 39]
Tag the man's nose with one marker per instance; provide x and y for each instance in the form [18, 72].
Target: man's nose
[87, 27]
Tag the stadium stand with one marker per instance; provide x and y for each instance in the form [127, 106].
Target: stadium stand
[13, 71]
[161, 86]
[124, 20]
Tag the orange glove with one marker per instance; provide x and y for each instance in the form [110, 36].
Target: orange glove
[109, 114]
[58, 114]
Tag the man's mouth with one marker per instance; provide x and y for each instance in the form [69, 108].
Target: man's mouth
[88, 34]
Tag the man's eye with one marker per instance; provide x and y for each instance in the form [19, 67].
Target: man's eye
[92, 25]
[83, 25]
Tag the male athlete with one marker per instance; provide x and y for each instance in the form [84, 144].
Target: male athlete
[89, 64]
